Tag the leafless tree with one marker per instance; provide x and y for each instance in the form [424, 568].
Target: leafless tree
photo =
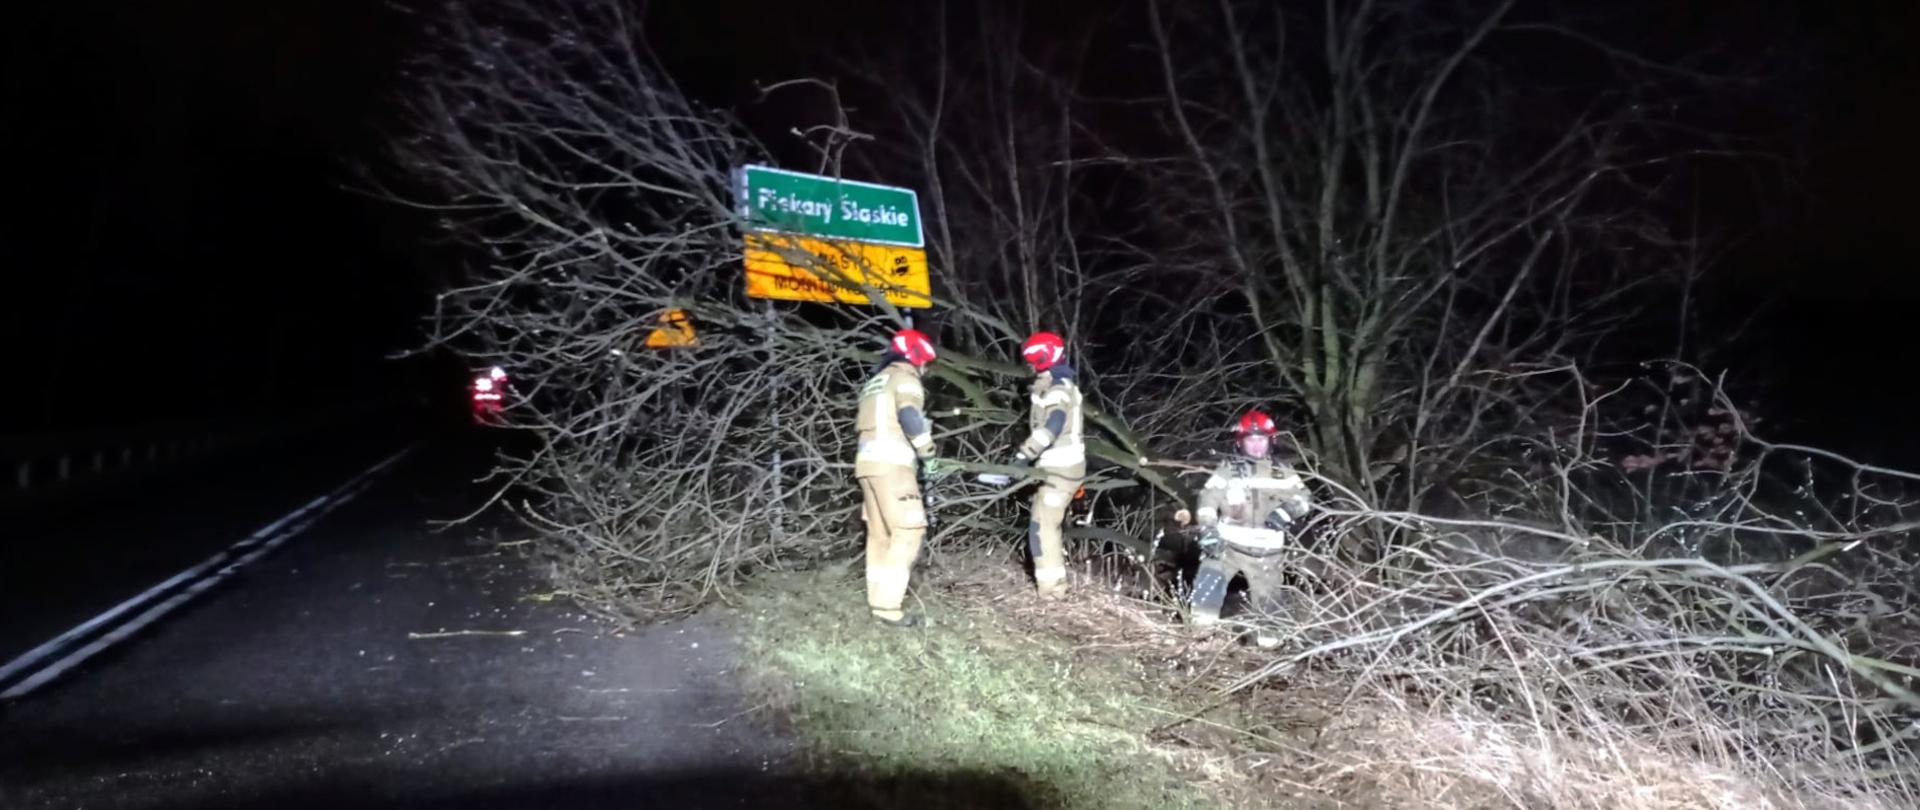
[1352, 212]
[1427, 261]
[1402, 231]
[593, 198]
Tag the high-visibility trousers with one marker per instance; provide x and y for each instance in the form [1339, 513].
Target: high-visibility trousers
[1044, 526]
[896, 526]
[1265, 574]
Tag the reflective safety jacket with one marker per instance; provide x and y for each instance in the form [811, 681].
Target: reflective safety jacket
[1251, 501]
[893, 424]
[1055, 439]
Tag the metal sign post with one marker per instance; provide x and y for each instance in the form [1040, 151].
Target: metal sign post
[816, 238]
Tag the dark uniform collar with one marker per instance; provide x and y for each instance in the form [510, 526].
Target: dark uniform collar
[889, 359]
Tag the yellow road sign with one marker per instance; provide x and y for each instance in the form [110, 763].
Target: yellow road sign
[798, 268]
[675, 330]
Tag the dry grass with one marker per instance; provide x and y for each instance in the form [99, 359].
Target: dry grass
[1130, 708]
[999, 682]
[1467, 760]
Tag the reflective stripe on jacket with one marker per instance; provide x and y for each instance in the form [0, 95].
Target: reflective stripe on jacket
[894, 430]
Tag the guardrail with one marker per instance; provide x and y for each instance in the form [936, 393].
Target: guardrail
[51, 659]
[34, 465]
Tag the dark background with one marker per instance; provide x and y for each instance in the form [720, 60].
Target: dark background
[180, 244]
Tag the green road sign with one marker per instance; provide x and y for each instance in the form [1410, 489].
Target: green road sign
[811, 205]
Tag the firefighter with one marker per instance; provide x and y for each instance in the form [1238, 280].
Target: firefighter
[1057, 450]
[1246, 509]
[895, 435]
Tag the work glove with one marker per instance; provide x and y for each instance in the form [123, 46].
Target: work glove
[937, 468]
[1279, 520]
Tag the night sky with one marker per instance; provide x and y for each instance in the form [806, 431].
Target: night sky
[179, 244]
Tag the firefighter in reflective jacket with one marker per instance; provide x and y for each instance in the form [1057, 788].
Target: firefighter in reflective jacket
[895, 434]
[1057, 449]
[1246, 508]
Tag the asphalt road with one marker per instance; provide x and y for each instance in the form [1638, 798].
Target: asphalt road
[68, 558]
[367, 662]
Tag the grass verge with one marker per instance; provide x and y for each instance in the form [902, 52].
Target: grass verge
[1102, 701]
[989, 704]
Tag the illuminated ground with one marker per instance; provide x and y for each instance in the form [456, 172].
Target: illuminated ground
[299, 685]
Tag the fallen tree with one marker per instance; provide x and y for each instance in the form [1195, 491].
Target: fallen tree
[1364, 242]
[592, 198]
[1753, 611]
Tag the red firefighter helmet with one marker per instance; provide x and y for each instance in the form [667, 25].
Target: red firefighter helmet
[913, 345]
[1255, 422]
[1042, 350]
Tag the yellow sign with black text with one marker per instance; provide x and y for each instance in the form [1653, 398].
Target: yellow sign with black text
[789, 267]
[675, 330]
